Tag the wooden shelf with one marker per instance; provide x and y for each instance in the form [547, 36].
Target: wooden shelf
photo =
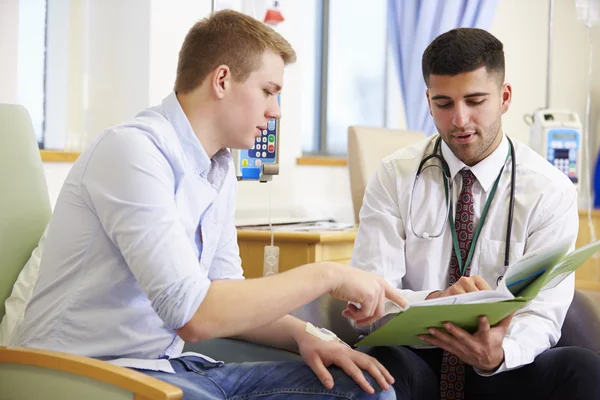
[58, 156]
[586, 277]
[325, 161]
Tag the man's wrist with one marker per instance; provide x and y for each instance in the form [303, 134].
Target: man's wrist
[297, 331]
[329, 274]
[494, 369]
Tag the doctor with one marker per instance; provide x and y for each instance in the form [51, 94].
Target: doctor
[406, 235]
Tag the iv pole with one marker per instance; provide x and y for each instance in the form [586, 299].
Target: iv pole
[549, 58]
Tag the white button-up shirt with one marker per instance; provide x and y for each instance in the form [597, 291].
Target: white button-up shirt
[545, 212]
[143, 224]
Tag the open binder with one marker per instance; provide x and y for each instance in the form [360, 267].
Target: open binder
[522, 282]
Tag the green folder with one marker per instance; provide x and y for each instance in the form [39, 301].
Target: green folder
[522, 283]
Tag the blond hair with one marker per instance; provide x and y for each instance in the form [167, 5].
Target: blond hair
[227, 38]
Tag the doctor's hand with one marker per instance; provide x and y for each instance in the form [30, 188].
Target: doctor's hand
[465, 284]
[364, 288]
[319, 354]
[481, 350]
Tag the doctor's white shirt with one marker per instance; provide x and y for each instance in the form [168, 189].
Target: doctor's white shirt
[545, 212]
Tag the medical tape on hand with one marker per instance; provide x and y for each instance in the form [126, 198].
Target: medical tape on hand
[324, 334]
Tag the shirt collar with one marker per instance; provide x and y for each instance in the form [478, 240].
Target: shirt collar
[486, 171]
[189, 141]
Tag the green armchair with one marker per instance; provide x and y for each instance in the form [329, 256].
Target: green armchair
[24, 214]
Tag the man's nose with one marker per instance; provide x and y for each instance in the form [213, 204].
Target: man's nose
[461, 116]
[274, 110]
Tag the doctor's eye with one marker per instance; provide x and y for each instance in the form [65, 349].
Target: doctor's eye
[444, 105]
[267, 93]
[475, 103]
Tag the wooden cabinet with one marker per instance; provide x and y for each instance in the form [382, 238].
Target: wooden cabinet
[587, 276]
[295, 248]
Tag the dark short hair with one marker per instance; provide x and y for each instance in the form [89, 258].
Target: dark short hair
[463, 50]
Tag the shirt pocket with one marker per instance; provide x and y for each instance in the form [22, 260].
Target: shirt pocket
[491, 259]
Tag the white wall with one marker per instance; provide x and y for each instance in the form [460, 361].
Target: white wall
[56, 173]
[9, 17]
[169, 23]
[522, 28]
[324, 191]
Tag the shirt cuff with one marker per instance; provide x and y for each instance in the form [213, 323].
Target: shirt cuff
[511, 358]
[415, 296]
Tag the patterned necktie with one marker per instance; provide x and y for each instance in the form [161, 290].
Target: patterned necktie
[452, 379]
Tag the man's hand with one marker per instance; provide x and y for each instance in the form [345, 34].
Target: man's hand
[465, 284]
[481, 350]
[319, 354]
[367, 289]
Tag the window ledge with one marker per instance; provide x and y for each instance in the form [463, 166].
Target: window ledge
[326, 161]
[58, 156]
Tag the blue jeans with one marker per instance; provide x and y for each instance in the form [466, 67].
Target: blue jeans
[200, 379]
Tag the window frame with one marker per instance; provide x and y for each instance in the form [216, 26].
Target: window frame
[320, 133]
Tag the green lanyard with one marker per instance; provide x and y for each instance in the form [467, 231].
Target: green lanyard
[463, 267]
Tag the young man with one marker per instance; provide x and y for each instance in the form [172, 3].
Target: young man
[141, 253]
[406, 236]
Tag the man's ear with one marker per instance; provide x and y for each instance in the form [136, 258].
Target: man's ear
[221, 79]
[506, 97]
[428, 101]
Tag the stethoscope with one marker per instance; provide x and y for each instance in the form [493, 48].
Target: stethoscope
[437, 154]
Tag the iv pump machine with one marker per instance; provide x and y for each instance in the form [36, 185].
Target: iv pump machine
[556, 135]
[260, 162]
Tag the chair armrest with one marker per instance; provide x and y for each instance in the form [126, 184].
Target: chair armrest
[582, 324]
[326, 312]
[142, 385]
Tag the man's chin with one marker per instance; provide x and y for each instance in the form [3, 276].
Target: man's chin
[247, 144]
[464, 153]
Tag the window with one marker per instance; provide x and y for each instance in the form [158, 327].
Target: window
[93, 65]
[31, 44]
[351, 72]
[41, 39]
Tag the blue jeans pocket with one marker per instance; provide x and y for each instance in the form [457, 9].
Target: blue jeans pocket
[195, 364]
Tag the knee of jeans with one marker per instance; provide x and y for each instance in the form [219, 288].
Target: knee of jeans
[380, 393]
[373, 382]
[345, 383]
[386, 395]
